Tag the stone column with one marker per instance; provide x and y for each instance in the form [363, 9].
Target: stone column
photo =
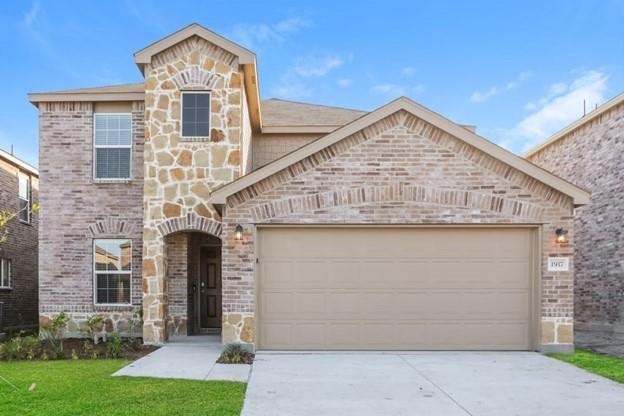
[155, 296]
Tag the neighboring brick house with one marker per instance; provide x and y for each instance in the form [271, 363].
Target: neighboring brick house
[289, 225]
[19, 192]
[590, 152]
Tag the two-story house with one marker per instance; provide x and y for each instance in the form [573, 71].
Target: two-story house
[19, 193]
[590, 152]
[286, 225]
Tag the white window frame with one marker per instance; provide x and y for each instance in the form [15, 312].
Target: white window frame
[2, 261]
[28, 200]
[96, 272]
[194, 138]
[96, 146]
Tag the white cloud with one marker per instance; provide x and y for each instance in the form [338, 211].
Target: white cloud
[251, 35]
[31, 15]
[344, 82]
[408, 71]
[396, 90]
[316, 65]
[293, 81]
[481, 96]
[561, 105]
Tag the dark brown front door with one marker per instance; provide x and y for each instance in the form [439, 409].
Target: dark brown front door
[209, 288]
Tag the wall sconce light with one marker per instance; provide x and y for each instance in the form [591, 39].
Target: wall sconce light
[239, 232]
[561, 235]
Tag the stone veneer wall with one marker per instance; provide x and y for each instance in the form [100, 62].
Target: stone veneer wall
[76, 209]
[20, 302]
[180, 174]
[399, 170]
[592, 156]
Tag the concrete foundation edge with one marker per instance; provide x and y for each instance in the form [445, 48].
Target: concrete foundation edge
[557, 349]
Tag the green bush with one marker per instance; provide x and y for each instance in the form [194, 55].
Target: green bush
[113, 345]
[53, 332]
[20, 347]
[94, 324]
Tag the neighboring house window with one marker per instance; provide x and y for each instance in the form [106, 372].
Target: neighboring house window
[113, 146]
[195, 114]
[5, 273]
[24, 202]
[113, 270]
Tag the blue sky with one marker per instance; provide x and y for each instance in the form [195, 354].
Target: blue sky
[517, 70]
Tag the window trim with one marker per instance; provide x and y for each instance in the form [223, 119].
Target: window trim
[96, 146]
[96, 272]
[194, 138]
[28, 200]
[2, 260]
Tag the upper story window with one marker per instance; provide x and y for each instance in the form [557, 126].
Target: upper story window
[195, 114]
[24, 198]
[5, 273]
[113, 270]
[113, 146]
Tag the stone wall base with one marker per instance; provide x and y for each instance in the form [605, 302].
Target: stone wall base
[238, 328]
[177, 325]
[557, 331]
[122, 322]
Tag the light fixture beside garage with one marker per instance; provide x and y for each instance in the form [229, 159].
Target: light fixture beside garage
[238, 232]
[561, 235]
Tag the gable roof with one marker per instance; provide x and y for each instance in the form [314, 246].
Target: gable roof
[592, 115]
[580, 196]
[144, 56]
[279, 116]
[19, 163]
[121, 92]
[246, 58]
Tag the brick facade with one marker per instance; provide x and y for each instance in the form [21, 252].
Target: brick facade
[76, 209]
[592, 156]
[18, 304]
[268, 147]
[400, 170]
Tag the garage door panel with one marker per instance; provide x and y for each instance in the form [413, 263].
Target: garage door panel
[276, 304]
[380, 288]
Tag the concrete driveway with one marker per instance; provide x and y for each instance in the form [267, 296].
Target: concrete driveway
[430, 384]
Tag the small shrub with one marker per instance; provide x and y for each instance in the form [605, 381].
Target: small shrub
[53, 332]
[74, 354]
[235, 354]
[20, 347]
[94, 325]
[113, 345]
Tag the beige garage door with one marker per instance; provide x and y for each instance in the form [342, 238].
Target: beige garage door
[395, 288]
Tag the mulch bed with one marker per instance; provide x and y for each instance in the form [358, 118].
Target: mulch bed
[245, 358]
[130, 349]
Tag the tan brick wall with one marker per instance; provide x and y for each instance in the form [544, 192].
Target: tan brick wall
[178, 174]
[592, 157]
[269, 147]
[177, 278]
[75, 210]
[400, 170]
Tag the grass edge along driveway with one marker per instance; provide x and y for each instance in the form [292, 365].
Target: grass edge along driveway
[604, 365]
[87, 388]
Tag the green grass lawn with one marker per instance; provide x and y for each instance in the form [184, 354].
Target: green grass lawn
[86, 388]
[604, 365]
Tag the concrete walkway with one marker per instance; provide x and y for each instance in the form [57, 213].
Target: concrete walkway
[192, 358]
[428, 384]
